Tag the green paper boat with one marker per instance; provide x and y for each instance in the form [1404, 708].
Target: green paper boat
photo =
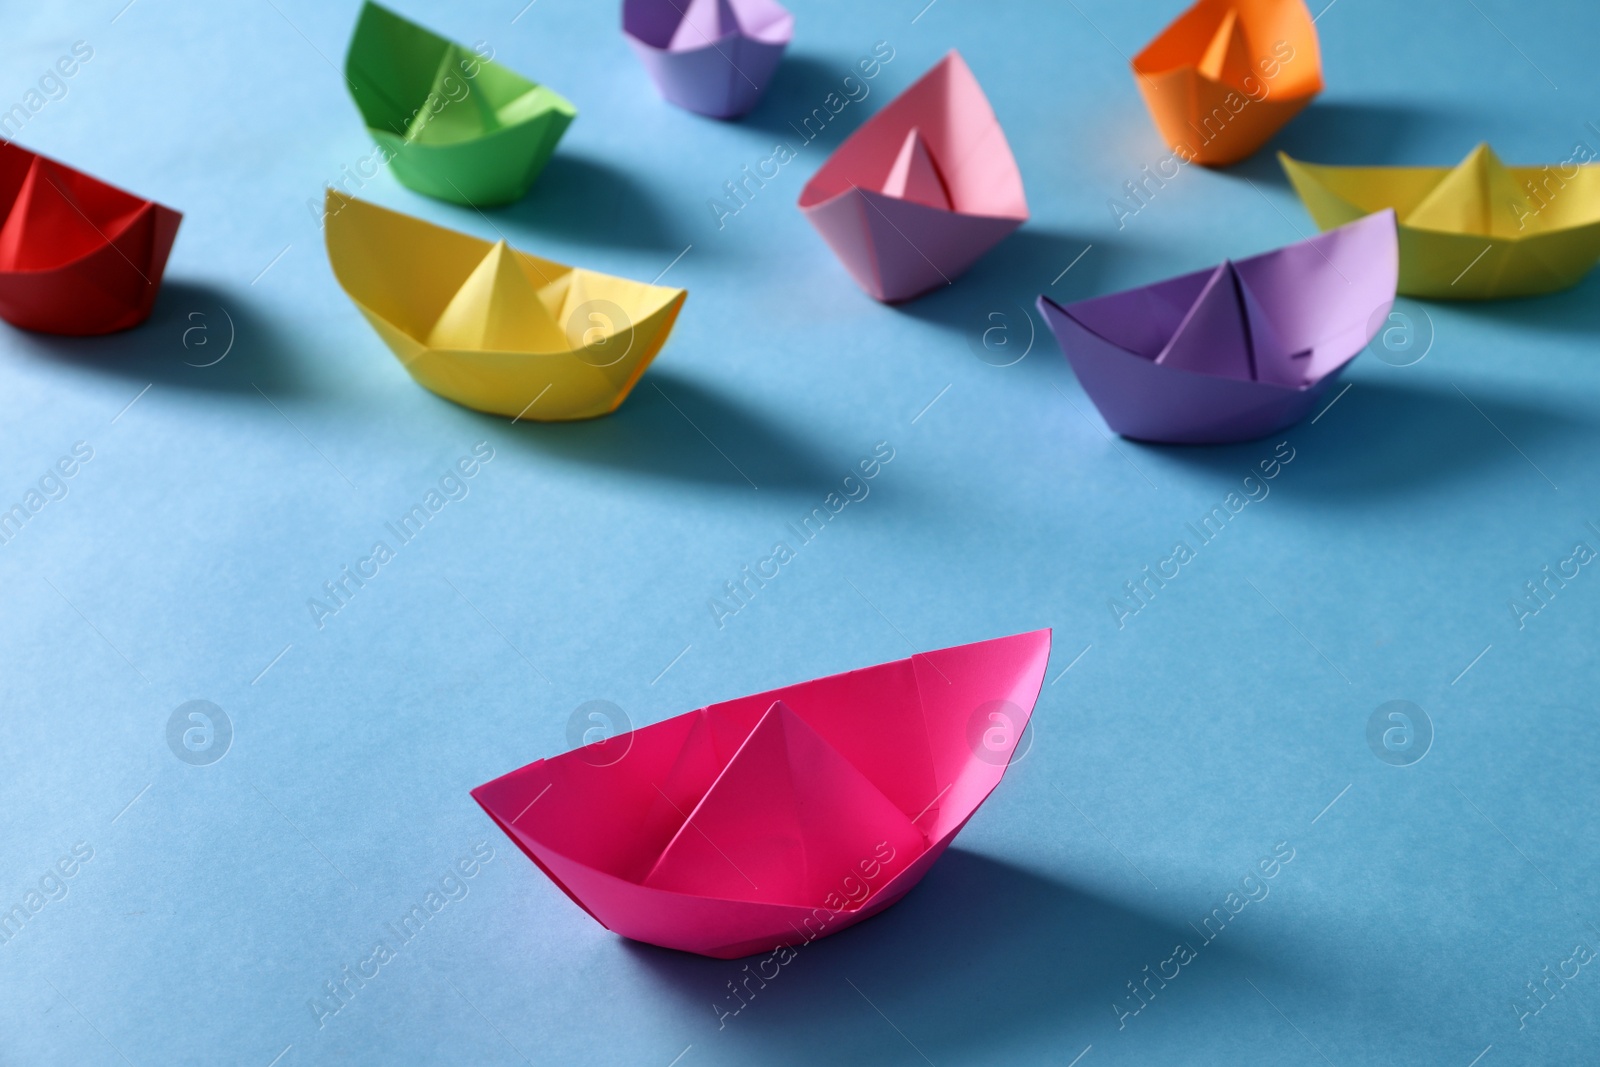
[453, 124]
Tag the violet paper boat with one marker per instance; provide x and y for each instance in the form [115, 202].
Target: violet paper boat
[777, 818]
[1238, 351]
[712, 57]
[923, 189]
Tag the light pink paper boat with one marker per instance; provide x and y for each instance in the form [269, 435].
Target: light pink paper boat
[921, 190]
[777, 818]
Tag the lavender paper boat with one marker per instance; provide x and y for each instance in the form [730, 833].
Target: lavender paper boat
[712, 57]
[1236, 352]
[926, 186]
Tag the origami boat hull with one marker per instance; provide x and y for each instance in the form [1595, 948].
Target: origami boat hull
[111, 286]
[498, 168]
[604, 813]
[869, 232]
[1193, 115]
[1216, 81]
[1112, 341]
[401, 273]
[1440, 265]
[723, 79]
[898, 248]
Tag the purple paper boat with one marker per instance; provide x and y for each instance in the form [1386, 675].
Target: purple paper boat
[1238, 351]
[926, 186]
[712, 57]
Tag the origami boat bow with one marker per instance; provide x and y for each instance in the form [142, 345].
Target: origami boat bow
[1475, 231]
[1238, 351]
[712, 57]
[780, 817]
[927, 185]
[452, 124]
[77, 256]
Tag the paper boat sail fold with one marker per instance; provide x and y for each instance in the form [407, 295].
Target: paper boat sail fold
[451, 123]
[1238, 351]
[923, 189]
[1228, 74]
[712, 57]
[77, 256]
[782, 816]
[492, 328]
[1477, 231]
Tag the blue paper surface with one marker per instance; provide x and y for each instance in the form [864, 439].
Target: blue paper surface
[219, 910]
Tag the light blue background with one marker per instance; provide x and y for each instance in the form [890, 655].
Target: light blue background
[1222, 719]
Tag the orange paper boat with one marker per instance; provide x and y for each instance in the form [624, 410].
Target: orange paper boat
[777, 818]
[1228, 74]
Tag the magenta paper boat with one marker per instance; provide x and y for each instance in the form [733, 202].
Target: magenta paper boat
[921, 190]
[778, 818]
[712, 57]
[1238, 351]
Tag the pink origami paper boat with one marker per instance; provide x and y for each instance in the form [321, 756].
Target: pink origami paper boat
[777, 818]
[921, 190]
[712, 57]
[1238, 351]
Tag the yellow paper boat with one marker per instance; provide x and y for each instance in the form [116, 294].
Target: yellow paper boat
[490, 327]
[1476, 231]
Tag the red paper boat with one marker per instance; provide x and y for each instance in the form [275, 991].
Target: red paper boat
[921, 190]
[77, 256]
[778, 818]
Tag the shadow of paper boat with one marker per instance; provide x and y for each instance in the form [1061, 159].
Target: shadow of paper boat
[1238, 351]
[923, 189]
[712, 57]
[1228, 74]
[781, 817]
[451, 123]
[77, 256]
[1476, 231]
[492, 328]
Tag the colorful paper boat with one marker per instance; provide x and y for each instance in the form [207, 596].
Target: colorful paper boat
[1228, 74]
[493, 328]
[712, 57]
[77, 256]
[1476, 231]
[1236, 352]
[452, 124]
[777, 818]
[926, 186]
